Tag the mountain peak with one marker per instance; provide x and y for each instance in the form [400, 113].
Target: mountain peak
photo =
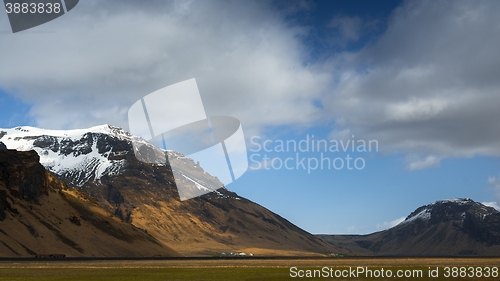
[83, 155]
[23, 131]
[111, 130]
[458, 226]
[459, 201]
[78, 155]
[101, 161]
[449, 209]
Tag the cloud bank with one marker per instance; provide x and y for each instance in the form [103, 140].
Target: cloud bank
[426, 87]
[98, 60]
[390, 224]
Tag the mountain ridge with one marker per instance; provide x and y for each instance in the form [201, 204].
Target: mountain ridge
[41, 215]
[145, 195]
[453, 227]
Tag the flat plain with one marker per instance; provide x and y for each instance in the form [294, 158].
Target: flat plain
[247, 269]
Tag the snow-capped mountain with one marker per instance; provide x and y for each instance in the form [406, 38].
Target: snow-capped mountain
[101, 161]
[80, 156]
[77, 155]
[39, 214]
[457, 209]
[450, 227]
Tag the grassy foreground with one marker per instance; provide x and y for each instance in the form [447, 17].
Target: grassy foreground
[240, 269]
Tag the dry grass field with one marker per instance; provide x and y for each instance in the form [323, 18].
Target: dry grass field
[250, 269]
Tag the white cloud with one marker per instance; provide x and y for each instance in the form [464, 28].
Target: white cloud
[494, 183]
[101, 58]
[390, 224]
[354, 229]
[415, 162]
[429, 86]
[415, 110]
[492, 204]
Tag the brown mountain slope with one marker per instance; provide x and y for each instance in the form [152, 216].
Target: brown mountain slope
[40, 215]
[216, 222]
[101, 162]
[458, 227]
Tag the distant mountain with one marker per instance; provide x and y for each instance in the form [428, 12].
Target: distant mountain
[40, 215]
[455, 227]
[100, 161]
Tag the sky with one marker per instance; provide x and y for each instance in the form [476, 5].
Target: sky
[417, 78]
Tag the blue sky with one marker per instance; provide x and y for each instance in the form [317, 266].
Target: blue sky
[13, 112]
[419, 77]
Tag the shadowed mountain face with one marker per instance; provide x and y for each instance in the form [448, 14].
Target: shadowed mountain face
[40, 215]
[445, 228]
[100, 161]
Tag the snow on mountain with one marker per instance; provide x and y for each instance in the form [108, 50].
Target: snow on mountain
[73, 153]
[452, 227]
[85, 154]
[17, 133]
[446, 208]
[458, 201]
[424, 215]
